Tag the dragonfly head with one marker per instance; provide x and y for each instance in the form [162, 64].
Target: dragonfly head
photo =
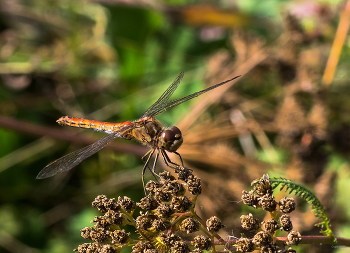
[170, 139]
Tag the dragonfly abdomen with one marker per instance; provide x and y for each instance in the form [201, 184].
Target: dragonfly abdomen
[92, 124]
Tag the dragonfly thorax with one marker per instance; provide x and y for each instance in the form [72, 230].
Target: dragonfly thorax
[170, 139]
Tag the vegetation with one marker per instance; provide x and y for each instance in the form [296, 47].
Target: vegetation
[287, 116]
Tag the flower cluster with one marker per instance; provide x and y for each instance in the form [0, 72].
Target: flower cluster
[166, 214]
[261, 197]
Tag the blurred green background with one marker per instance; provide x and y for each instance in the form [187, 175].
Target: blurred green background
[109, 60]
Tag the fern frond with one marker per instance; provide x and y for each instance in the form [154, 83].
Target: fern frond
[316, 206]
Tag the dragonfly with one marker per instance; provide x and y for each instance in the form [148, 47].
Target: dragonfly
[147, 130]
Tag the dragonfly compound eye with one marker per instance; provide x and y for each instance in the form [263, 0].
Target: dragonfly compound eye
[170, 139]
[177, 132]
[168, 136]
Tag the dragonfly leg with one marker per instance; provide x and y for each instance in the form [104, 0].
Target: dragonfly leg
[182, 162]
[153, 171]
[146, 158]
[168, 162]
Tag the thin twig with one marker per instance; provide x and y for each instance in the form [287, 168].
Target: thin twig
[337, 46]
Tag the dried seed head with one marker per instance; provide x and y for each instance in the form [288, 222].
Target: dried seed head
[161, 225]
[249, 223]
[290, 250]
[127, 204]
[151, 186]
[194, 185]
[110, 218]
[103, 204]
[98, 235]
[271, 248]
[270, 225]
[268, 203]
[197, 251]
[144, 221]
[141, 247]
[287, 205]
[164, 211]
[214, 224]
[189, 225]
[101, 222]
[245, 245]
[262, 186]
[112, 204]
[183, 173]
[119, 236]
[175, 188]
[83, 248]
[107, 248]
[95, 247]
[201, 242]
[262, 238]
[180, 247]
[249, 198]
[113, 217]
[85, 233]
[286, 223]
[151, 251]
[293, 238]
[169, 239]
[166, 175]
[99, 203]
[162, 195]
[147, 203]
[180, 203]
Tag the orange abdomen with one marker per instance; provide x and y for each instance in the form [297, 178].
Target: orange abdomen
[93, 124]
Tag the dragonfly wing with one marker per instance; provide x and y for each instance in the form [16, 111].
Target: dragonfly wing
[71, 160]
[168, 105]
[163, 100]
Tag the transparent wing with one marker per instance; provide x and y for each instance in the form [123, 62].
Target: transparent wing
[168, 105]
[163, 100]
[71, 160]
